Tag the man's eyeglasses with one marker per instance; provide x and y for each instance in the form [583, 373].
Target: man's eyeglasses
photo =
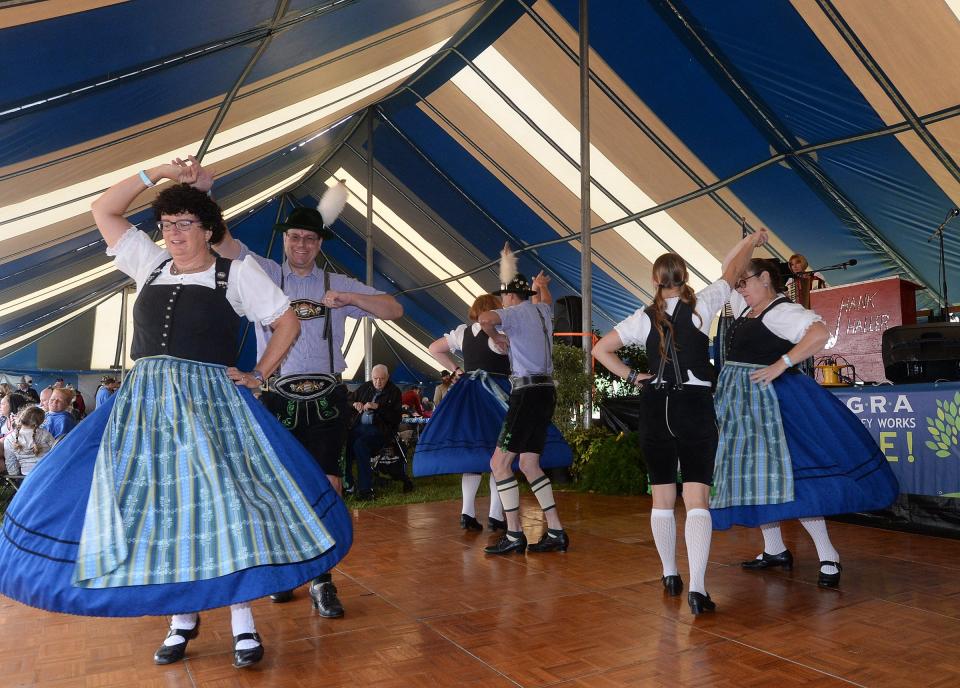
[741, 283]
[180, 225]
[307, 239]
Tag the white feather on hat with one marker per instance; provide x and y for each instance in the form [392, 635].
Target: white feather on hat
[332, 203]
[508, 266]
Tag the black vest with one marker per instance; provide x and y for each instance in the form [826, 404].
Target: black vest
[477, 354]
[693, 346]
[187, 321]
[749, 340]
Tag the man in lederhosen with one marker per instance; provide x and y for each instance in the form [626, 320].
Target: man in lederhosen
[308, 396]
[525, 334]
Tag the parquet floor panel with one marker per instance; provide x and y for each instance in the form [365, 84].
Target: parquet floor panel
[426, 608]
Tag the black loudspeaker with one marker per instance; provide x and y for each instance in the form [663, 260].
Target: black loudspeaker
[568, 317]
[922, 353]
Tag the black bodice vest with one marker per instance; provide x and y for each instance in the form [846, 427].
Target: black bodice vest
[750, 341]
[187, 321]
[477, 354]
[693, 346]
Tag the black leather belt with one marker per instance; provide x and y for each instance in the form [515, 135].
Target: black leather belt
[518, 381]
[305, 386]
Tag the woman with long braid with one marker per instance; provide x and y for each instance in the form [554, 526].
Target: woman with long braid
[678, 406]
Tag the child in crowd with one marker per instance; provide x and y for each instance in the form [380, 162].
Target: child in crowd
[27, 444]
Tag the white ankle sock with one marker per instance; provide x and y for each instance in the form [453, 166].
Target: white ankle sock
[496, 506]
[469, 483]
[817, 528]
[184, 622]
[664, 527]
[241, 620]
[772, 539]
[697, 532]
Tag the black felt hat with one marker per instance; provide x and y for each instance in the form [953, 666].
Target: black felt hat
[518, 285]
[307, 219]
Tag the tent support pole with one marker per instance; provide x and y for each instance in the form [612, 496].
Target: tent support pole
[586, 262]
[367, 322]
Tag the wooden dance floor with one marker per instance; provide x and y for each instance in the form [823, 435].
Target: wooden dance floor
[426, 608]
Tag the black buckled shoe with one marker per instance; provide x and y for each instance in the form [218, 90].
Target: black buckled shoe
[700, 603]
[829, 580]
[496, 524]
[168, 654]
[768, 561]
[245, 658]
[325, 600]
[673, 585]
[281, 597]
[505, 545]
[470, 523]
[551, 543]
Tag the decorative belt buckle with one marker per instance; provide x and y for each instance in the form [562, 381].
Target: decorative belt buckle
[305, 387]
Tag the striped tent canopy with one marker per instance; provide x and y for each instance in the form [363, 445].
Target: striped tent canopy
[831, 122]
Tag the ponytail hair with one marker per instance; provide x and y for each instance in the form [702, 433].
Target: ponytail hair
[772, 267]
[670, 271]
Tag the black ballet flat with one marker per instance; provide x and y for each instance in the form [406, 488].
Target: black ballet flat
[470, 523]
[673, 585]
[245, 658]
[829, 580]
[168, 654]
[700, 603]
[768, 561]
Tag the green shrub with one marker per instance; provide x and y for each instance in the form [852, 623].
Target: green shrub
[580, 440]
[613, 465]
[572, 383]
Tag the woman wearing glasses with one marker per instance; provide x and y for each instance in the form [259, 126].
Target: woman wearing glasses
[678, 406]
[788, 448]
[182, 492]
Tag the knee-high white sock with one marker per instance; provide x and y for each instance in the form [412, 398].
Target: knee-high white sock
[817, 528]
[469, 483]
[241, 620]
[772, 539]
[184, 622]
[496, 506]
[697, 532]
[543, 490]
[509, 491]
[664, 527]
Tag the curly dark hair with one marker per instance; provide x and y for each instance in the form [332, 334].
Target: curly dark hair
[183, 198]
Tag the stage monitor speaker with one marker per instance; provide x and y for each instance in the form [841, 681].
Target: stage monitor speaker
[568, 317]
[922, 353]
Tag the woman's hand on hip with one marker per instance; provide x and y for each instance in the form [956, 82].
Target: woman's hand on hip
[765, 376]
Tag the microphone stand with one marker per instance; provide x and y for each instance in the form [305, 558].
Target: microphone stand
[938, 232]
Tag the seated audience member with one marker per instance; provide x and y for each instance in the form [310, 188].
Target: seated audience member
[10, 406]
[59, 420]
[26, 388]
[108, 385]
[45, 397]
[377, 404]
[446, 382]
[79, 409]
[27, 444]
[411, 399]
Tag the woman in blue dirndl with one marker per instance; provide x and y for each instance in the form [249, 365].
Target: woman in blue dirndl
[788, 448]
[181, 493]
[463, 430]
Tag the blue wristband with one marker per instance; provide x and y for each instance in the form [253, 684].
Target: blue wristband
[786, 359]
[145, 179]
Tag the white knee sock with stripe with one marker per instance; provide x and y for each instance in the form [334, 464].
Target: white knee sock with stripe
[664, 526]
[772, 539]
[241, 621]
[184, 622]
[817, 528]
[469, 484]
[698, 531]
[509, 491]
[496, 506]
[543, 490]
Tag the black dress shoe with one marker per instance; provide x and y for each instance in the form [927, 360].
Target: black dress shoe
[245, 658]
[829, 580]
[168, 654]
[505, 545]
[281, 597]
[470, 523]
[700, 603]
[551, 543]
[325, 600]
[496, 524]
[769, 561]
[673, 585]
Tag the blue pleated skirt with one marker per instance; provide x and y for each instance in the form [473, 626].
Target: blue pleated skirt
[182, 493]
[462, 433]
[792, 450]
